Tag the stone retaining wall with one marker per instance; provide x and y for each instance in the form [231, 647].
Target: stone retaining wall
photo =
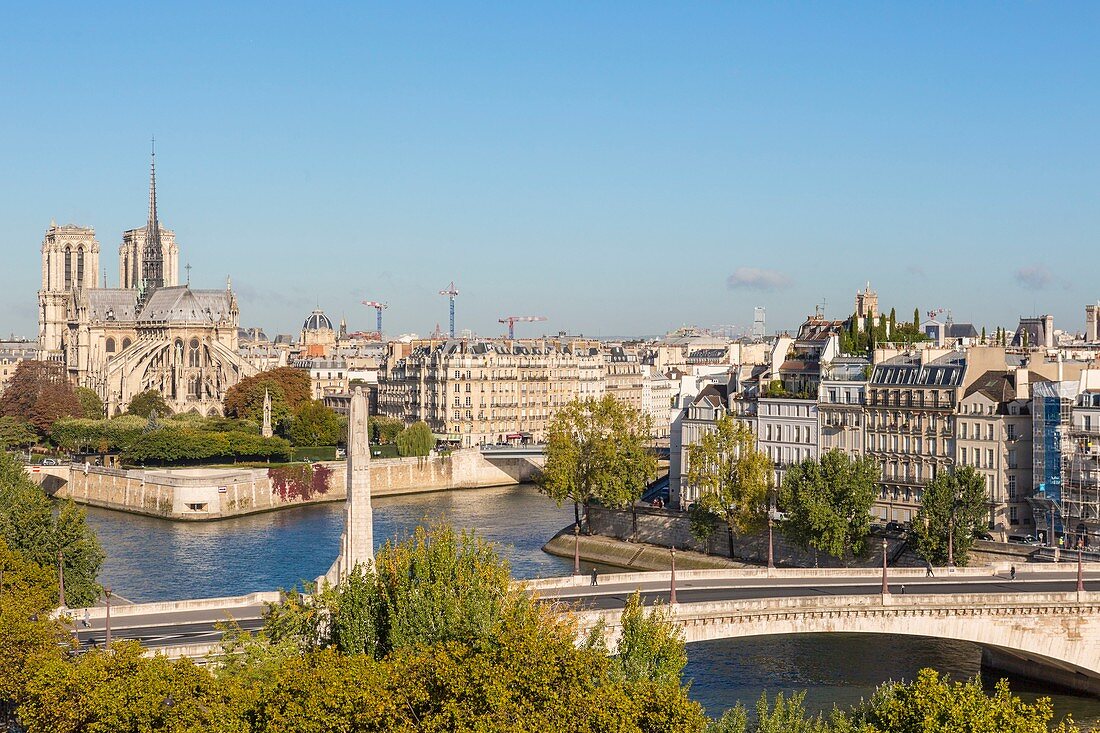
[204, 494]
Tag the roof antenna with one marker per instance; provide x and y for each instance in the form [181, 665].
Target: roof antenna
[188, 268]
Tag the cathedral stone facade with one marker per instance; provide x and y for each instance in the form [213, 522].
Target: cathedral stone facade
[150, 333]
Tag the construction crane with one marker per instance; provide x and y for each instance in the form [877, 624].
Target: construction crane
[513, 320]
[379, 307]
[451, 294]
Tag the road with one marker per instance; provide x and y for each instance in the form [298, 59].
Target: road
[167, 629]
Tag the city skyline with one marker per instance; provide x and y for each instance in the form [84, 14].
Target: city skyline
[656, 167]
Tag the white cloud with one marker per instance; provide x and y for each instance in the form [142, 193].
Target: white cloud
[752, 278]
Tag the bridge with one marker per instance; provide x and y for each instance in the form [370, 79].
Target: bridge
[1038, 625]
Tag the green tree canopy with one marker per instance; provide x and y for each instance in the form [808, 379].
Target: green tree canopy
[828, 503]
[145, 403]
[16, 432]
[289, 388]
[731, 476]
[90, 404]
[384, 429]
[39, 393]
[955, 504]
[314, 424]
[596, 449]
[30, 526]
[415, 440]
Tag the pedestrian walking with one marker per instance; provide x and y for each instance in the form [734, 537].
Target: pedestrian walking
[594, 582]
[87, 619]
[928, 569]
[1012, 573]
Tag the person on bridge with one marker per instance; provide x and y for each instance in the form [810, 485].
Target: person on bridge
[594, 581]
[928, 569]
[1012, 573]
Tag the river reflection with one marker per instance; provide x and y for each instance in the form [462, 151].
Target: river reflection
[151, 559]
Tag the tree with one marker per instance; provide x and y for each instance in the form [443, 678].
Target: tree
[16, 433]
[893, 319]
[595, 450]
[90, 404]
[650, 647]
[145, 403]
[39, 393]
[29, 526]
[916, 318]
[314, 424]
[934, 704]
[983, 334]
[731, 476]
[289, 387]
[415, 440]
[954, 507]
[384, 429]
[828, 503]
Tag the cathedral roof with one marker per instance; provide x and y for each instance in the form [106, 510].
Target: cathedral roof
[111, 304]
[181, 304]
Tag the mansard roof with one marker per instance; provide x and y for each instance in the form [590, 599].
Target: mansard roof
[181, 304]
[905, 370]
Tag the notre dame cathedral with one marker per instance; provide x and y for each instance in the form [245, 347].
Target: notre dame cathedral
[150, 333]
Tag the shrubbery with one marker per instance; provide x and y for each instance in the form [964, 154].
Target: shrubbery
[171, 445]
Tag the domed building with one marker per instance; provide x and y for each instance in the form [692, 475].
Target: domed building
[318, 336]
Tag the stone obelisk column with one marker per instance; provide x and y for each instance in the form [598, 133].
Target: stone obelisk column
[357, 541]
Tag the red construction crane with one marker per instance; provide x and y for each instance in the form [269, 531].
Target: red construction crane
[378, 307]
[513, 320]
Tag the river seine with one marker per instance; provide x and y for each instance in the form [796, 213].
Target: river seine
[151, 560]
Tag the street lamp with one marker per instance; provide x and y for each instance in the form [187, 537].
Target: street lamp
[672, 578]
[576, 548]
[771, 517]
[885, 586]
[107, 635]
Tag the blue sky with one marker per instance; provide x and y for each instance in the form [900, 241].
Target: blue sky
[622, 168]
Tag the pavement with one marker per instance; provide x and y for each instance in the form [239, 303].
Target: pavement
[176, 628]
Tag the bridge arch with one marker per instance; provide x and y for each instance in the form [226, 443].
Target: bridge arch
[1051, 637]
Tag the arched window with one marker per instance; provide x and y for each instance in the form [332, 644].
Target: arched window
[110, 346]
[68, 268]
[193, 353]
[80, 267]
[126, 343]
[194, 388]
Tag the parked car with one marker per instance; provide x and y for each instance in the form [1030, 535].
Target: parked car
[50, 462]
[1022, 539]
[895, 527]
[984, 536]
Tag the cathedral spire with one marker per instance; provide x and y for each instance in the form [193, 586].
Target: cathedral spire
[152, 254]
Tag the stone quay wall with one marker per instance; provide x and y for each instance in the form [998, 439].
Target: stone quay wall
[668, 528]
[192, 494]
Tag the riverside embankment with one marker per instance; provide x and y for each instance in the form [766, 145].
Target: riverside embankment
[196, 494]
[640, 540]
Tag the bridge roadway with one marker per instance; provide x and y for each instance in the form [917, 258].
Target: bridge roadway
[174, 626]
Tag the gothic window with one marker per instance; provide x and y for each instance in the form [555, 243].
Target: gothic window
[68, 268]
[193, 353]
[110, 347]
[80, 267]
[126, 343]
